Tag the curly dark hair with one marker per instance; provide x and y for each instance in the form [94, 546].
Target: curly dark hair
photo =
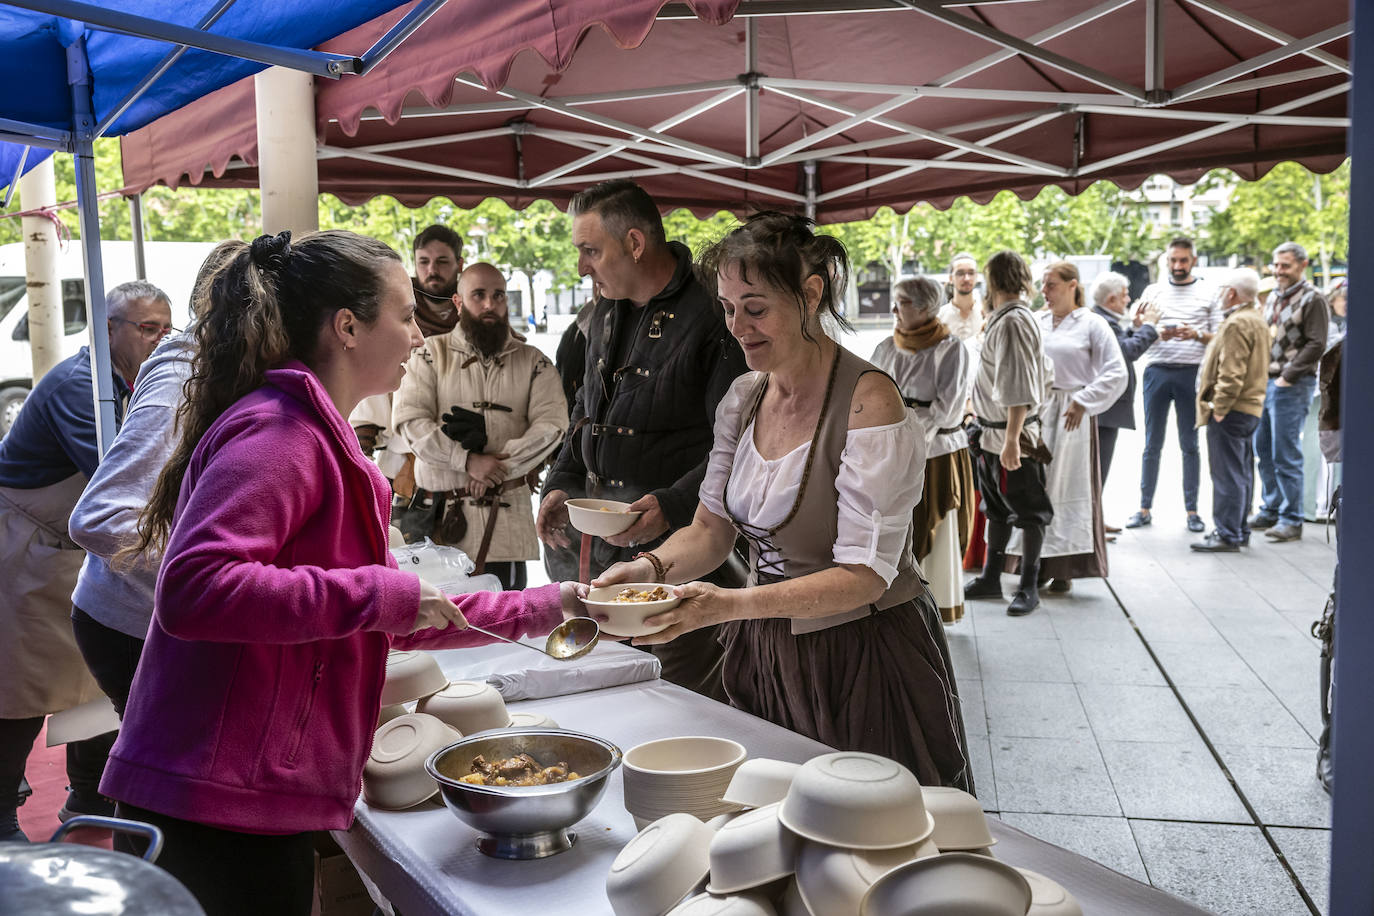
[258, 307]
[782, 250]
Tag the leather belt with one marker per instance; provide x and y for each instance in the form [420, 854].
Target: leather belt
[606, 429]
[915, 402]
[993, 424]
[948, 430]
[491, 405]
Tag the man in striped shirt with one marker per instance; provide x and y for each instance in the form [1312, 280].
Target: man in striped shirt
[1188, 319]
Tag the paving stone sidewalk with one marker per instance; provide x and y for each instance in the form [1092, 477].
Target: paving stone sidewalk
[1164, 721]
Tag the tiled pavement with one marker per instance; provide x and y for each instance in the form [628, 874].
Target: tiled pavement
[1163, 721]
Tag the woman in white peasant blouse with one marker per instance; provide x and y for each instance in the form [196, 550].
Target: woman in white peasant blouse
[1089, 376]
[836, 637]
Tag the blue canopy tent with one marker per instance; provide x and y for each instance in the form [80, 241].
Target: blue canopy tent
[76, 71]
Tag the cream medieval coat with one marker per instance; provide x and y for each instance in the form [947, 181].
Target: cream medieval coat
[448, 370]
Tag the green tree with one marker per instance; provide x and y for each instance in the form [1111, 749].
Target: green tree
[1289, 204]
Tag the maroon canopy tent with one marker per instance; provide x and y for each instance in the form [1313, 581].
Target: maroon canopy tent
[839, 105]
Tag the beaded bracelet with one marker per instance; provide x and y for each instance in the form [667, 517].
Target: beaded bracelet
[659, 569]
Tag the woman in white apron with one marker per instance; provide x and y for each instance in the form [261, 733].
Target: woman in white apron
[930, 365]
[1089, 376]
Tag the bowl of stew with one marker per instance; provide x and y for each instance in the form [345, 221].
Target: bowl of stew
[522, 788]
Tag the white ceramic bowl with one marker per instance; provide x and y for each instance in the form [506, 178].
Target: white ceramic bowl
[735, 905]
[960, 824]
[601, 517]
[760, 781]
[661, 865]
[952, 884]
[530, 719]
[394, 776]
[834, 880]
[751, 850]
[687, 774]
[791, 903]
[626, 618]
[469, 706]
[1048, 897]
[391, 712]
[856, 800]
[410, 675]
[720, 820]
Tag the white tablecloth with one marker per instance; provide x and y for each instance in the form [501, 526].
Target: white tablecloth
[424, 860]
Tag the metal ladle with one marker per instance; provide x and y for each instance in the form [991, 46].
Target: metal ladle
[573, 638]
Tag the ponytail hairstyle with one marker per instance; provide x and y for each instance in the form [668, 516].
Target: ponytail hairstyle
[257, 307]
[783, 251]
[1068, 273]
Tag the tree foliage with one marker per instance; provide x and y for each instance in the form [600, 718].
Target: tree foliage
[1288, 204]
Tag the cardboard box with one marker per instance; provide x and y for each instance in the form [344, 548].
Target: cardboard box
[339, 891]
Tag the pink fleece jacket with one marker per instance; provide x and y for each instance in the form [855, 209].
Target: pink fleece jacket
[255, 702]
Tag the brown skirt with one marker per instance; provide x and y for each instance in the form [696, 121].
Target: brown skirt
[948, 486]
[882, 684]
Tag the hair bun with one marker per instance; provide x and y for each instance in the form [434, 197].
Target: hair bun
[271, 251]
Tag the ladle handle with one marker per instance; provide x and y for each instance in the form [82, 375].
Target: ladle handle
[513, 642]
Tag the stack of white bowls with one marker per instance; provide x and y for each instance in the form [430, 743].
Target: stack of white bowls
[845, 834]
[685, 775]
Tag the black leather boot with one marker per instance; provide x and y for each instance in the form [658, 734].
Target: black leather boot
[989, 584]
[1027, 597]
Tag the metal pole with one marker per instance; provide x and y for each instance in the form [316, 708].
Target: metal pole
[1352, 726]
[810, 170]
[39, 189]
[83, 151]
[136, 224]
[287, 171]
[1154, 52]
[751, 100]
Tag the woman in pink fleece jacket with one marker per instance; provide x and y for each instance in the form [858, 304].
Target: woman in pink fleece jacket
[253, 710]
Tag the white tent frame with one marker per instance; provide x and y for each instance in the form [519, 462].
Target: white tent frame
[657, 149]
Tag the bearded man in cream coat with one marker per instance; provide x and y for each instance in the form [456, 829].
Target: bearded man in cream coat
[482, 410]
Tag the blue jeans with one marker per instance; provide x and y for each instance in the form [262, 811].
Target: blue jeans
[1231, 460]
[1278, 445]
[1166, 383]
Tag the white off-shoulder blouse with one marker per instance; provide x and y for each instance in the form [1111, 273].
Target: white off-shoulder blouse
[882, 472]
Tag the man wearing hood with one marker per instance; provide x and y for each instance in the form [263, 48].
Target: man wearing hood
[438, 252]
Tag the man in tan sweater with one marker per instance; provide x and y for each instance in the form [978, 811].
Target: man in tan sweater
[1231, 385]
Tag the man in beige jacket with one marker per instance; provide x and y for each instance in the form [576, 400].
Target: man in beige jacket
[1230, 399]
[482, 410]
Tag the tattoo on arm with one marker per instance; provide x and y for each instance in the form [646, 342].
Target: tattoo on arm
[859, 409]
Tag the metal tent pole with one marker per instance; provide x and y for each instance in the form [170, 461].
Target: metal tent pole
[83, 150]
[1352, 727]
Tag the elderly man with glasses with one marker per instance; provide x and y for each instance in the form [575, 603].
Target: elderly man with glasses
[45, 462]
[1298, 320]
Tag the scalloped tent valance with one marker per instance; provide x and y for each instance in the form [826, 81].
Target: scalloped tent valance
[843, 105]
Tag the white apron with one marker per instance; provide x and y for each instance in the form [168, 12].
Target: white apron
[943, 567]
[1068, 481]
[41, 670]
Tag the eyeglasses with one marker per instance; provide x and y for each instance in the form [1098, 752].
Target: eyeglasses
[149, 328]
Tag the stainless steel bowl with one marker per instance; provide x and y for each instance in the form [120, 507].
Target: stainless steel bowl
[526, 822]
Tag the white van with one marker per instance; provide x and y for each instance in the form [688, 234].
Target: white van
[171, 266]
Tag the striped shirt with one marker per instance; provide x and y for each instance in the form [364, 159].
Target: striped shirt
[1192, 303]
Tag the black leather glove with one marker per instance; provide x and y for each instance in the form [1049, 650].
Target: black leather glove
[466, 428]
